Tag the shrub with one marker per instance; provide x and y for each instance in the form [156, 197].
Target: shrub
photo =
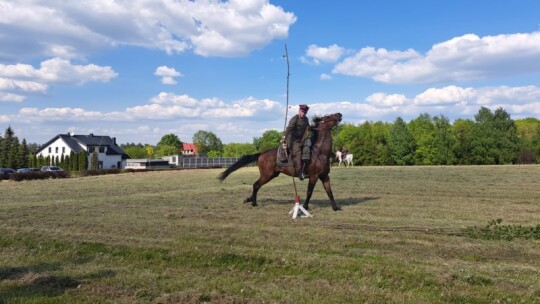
[495, 231]
[99, 172]
[38, 175]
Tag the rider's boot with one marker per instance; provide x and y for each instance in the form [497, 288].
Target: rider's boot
[298, 167]
[303, 170]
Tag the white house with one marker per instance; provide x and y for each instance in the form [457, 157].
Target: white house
[110, 155]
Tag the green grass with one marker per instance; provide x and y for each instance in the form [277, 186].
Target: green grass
[405, 235]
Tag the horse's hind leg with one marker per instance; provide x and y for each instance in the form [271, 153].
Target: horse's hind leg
[326, 184]
[257, 185]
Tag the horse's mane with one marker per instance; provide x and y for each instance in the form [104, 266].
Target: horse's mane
[316, 120]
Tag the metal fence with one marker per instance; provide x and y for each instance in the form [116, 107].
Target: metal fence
[207, 162]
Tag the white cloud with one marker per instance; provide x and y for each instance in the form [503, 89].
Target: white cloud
[386, 100]
[325, 54]
[5, 119]
[7, 84]
[19, 80]
[241, 120]
[8, 97]
[58, 70]
[446, 95]
[165, 106]
[166, 71]
[463, 58]
[509, 95]
[170, 106]
[486, 96]
[74, 29]
[56, 114]
[325, 76]
[167, 75]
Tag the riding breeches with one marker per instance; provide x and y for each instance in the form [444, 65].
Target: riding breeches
[296, 154]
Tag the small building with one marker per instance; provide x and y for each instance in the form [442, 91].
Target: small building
[147, 163]
[174, 160]
[189, 149]
[110, 155]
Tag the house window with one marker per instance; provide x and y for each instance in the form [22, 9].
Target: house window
[101, 149]
[50, 150]
[90, 149]
[63, 150]
[56, 150]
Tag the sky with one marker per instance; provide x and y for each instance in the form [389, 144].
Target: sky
[137, 70]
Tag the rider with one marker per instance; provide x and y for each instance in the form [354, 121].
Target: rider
[296, 134]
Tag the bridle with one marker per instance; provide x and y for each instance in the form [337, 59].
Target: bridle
[322, 122]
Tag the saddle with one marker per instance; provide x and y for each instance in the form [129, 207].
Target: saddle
[283, 158]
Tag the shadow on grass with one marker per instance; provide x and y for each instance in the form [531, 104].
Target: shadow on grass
[321, 203]
[35, 282]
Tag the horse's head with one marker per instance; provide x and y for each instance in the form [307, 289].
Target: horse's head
[328, 121]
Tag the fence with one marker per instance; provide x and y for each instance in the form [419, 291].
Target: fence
[207, 162]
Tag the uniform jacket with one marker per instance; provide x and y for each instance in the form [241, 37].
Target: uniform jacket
[296, 130]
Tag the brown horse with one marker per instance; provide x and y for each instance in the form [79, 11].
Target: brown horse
[317, 168]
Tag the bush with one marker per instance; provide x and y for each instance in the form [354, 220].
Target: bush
[38, 175]
[495, 231]
[99, 172]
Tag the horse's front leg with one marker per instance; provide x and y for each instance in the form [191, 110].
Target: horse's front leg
[311, 186]
[326, 184]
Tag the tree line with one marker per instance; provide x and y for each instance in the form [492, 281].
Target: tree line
[492, 137]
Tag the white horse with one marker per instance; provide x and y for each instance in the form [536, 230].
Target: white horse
[348, 159]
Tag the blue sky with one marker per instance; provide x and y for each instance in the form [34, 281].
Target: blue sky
[138, 69]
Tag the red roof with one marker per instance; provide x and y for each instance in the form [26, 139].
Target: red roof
[189, 147]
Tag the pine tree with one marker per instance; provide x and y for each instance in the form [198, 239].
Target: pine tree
[2, 155]
[6, 158]
[13, 156]
[24, 155]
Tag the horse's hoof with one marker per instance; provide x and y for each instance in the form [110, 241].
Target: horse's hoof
[254, 204]
[305, 207]
[246, 200]
[337, 209]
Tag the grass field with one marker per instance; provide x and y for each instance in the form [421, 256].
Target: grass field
[183, 237]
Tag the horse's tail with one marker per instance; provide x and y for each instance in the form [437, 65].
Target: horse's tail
[243, 161]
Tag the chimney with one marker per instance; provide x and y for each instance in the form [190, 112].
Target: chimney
[114, 140]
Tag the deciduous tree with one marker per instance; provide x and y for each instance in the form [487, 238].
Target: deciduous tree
[269, 140]
[207, 141]
[401, 143]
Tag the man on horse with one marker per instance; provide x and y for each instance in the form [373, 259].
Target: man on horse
[344, 152]
[296, 134]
